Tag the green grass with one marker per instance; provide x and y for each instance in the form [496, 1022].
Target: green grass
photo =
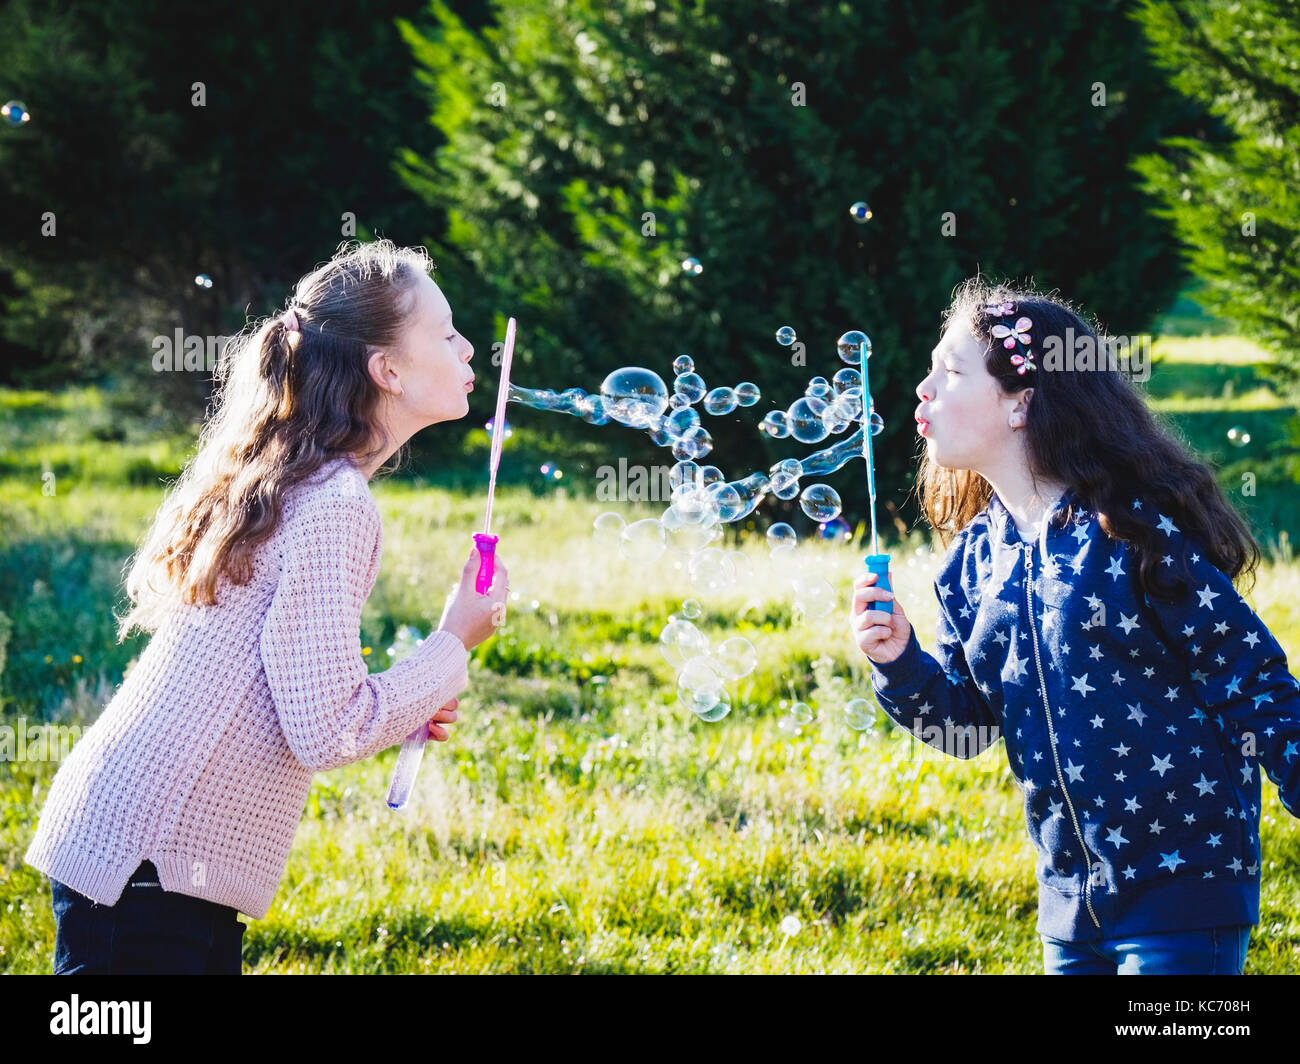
[581, 820]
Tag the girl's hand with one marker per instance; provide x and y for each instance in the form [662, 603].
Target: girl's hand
[472, 617]
[446, 715]
[880, 636]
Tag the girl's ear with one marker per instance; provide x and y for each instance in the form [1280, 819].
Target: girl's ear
[1021, 410]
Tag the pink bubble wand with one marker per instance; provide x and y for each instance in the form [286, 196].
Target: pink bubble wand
[408, 761]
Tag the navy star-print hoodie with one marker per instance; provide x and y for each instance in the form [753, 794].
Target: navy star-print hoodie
[1137, 730]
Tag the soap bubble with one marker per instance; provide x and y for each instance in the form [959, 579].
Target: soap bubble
[877, 424]
[836, 528]
[609, 526]
[203, 281]
[860, 212]
[785, 336]
[634, 396]
[680, 641]
[785, 478]
[1238, 436]
[15, 113]
[813, 596]
[805, 417]
[821, 502]
[692, 266]
[848, 377]
[841, 413]
[505, 425]
[787, 725]
[859, 714]
[684, 473]
[780, 535]
[551, 471]
[802, 713]
[747, 393]
[709, 474]
[677, 401]
[736, 658]
[720, 401]
[848, 346]
[775, 424]
[818, 387]
[644, 541]
[715, 712]
[690, 609]
[683, 364]
[711, 570]
[692, 444]
[680, 422]
[699, 674]
[690, 385]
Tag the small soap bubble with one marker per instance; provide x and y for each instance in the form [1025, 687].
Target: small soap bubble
[680, 422]
[1238, 436]
[699, 674]
[819, 387]
[717, 711]
[720, 401]
[644, 541]
[736, 658]
[683, 364]
[680, 641]
[848, 377]
[860, 212]
[838, 528]
[634, 396]
[877, 424]
[692, 266]
[491, 423]
[747, 393]
[710, 474]
[684, 473]
[821, 502]
[690, 609]
[690, 385]
[859, 714]
[802, 713]
[15, 113]
[609, 526]
[849, 346]
[780, 535]
[785, 336]
[813, 596]
[784, 482]
[203, 280]
[775, 424]
[677, 401]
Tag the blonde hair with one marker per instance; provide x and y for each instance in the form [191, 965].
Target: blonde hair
[284, 405]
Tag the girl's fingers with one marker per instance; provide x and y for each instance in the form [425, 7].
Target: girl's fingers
[438, 732]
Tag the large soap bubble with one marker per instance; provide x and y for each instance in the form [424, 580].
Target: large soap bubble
[634, 396]
[849, 346]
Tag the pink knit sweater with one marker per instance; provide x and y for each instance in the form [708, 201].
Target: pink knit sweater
[202, 761]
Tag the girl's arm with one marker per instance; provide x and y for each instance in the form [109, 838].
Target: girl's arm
[332, 710]
[934, 696]
[1238, 668]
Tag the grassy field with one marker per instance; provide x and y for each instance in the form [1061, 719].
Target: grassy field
[581, 819]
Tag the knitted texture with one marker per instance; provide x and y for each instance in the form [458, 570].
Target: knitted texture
[203, 760]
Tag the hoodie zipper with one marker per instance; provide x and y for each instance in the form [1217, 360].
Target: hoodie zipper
[1051, 734]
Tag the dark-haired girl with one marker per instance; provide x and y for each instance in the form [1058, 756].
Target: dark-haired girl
[1088, 617]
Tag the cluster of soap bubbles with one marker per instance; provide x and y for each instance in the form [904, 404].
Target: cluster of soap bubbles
[826, 408]
[15, 113]
[703, 670]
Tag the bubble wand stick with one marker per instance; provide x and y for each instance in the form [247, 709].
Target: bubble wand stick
[408, 761]
[876, 562]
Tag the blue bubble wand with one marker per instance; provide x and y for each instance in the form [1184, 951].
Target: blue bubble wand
[875, 561]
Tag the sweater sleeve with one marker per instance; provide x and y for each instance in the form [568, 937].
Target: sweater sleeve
[332, 710]
[934, 696]
[1239, 668]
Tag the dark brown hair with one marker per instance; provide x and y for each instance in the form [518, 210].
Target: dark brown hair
[1091, 429]
[284, 406]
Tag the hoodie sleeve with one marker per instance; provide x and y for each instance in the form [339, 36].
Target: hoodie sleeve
[1238, 668]
[331, 709]
[934, 696]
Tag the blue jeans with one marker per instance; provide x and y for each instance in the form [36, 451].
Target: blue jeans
[1205, 951]
[150, 931]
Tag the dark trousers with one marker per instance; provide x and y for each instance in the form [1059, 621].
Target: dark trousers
[150, 931]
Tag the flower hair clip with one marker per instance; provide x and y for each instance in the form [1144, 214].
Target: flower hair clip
[1015, 337]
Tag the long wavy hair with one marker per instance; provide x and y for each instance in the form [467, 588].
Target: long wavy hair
[1090, 429]
[284, 405]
